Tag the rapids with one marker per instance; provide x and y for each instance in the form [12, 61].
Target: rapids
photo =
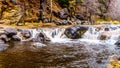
[61, 52]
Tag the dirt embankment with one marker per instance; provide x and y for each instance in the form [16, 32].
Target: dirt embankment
[14, 11]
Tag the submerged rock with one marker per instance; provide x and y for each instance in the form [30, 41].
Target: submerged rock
[41, 37]
[75, 32]
[3, 46]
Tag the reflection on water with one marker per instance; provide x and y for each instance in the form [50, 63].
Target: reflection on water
[62, 52]
[55, 55]
[24, 55]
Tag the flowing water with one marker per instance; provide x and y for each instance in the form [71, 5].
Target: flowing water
[62, 52]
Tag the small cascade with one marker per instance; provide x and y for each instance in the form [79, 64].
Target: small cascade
[55, 34]
[34, 32]
[92, 35]
[99, 50]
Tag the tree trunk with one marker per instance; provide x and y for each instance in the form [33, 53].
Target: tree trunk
[41, 10]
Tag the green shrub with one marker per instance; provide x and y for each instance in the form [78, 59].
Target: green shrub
[63, 3]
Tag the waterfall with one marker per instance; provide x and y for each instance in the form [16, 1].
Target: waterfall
[55, 34]
[92, 35]
[91, 40]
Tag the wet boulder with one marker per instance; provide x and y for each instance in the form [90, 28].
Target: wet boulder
[10, 32]
[15, 38]
[118, 43]
[4, 38]
[106, 29]
[75, 32]
[41, 37]
[26, 33]
[103, 37]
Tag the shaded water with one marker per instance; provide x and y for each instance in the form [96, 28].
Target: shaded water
[62, 52]
[25, 55]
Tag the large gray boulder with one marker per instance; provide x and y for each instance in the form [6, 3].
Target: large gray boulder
[10, 31]
[75, 32]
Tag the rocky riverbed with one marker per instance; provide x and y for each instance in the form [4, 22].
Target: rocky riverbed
[72, 46]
